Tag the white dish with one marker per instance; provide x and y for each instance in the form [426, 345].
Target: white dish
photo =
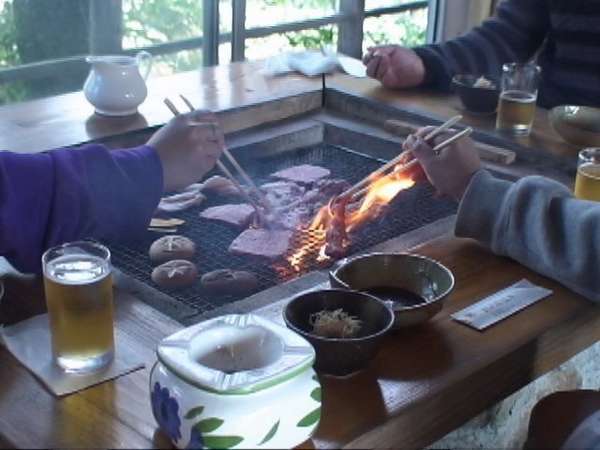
[236, 381]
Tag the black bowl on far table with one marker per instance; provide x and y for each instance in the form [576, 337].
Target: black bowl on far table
[476, 99]
[341, 356]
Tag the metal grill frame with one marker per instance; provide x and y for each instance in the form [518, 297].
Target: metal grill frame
[410, 210]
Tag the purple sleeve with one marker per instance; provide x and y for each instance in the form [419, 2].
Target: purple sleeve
[63, 195]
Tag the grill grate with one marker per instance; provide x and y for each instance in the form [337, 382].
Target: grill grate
[410, 210]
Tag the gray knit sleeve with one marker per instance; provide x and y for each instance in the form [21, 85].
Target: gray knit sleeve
[537, 222]
[514, 33]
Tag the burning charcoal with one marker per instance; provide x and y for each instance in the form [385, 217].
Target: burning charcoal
[303, 174]
[229, 282]
[269, 244]
[238, 215]
[180, 202]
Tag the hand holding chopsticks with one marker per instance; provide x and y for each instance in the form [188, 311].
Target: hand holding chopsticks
[262, 201]
[362, 186]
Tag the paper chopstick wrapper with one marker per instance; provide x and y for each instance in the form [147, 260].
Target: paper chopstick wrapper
[501, 305]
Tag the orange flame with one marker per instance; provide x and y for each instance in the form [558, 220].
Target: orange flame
[379, 193]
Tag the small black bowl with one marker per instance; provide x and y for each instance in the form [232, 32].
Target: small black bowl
[481, 100]
[341, 356]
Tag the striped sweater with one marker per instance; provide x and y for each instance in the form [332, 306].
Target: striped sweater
[565, 35]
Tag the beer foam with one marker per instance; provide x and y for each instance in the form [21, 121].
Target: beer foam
[77, 269]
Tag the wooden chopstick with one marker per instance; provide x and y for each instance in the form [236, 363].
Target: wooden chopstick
[443, 127]
[467, 131]
[236, 165]
[395, 161]
[222, 167]
[487, 152]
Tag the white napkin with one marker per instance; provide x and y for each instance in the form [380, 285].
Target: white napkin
[311, 63]
[29, 342]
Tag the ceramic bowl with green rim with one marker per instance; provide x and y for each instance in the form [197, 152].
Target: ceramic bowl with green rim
[414, 286]
[578, 125]
[235, 381]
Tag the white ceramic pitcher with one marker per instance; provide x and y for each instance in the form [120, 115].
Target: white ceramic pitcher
[115, 85]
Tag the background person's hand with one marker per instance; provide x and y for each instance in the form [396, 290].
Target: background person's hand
[451, 170]
[188, 147]
[394, 66]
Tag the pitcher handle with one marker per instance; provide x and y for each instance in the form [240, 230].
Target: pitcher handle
[146, 57]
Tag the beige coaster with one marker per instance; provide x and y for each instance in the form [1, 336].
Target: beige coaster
[29, 342]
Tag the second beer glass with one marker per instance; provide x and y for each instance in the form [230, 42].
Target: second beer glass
[587, 182]
[518, 95]
[78, 286]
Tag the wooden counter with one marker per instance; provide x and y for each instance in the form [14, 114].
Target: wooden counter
[424, 383]
[69, 119]
[443, 106]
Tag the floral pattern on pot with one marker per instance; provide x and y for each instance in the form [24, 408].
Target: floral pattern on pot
[166, 412]
[196, 441]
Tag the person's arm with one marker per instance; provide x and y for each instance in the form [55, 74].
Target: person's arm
[537, 222]
[64, 195]
[513, 34]
[68, 194]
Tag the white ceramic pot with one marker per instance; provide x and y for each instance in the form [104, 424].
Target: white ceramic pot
[236, 381]
[115, 86]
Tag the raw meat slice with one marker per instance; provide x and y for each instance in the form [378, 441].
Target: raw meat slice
[220, 186]
[281, 193]
[269, 244]
[303, 174]
[238, 215]
[179, 202]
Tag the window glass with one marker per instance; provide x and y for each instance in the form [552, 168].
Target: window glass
[43, 42]
[372, 4]
[151, 22]
[261, 13]
[408, 28]
[259, 48]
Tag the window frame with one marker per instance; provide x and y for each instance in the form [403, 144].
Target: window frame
[103, 16]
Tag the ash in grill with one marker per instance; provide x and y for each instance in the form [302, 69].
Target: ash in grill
[411, 209]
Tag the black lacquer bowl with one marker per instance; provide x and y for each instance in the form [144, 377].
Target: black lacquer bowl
[341, 356]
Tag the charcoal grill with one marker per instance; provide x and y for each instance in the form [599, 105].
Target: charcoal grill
[410, 210]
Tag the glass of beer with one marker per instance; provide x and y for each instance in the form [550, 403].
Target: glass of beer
[78, 286]
[587, 181]
[518, 94]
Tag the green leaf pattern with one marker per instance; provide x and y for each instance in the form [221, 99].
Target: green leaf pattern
[311, 418]
[209, 425]
[270, 434]
[222, 441]
[316, 394]
[194, 412]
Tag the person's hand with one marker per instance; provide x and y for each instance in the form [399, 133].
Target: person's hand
[451, 170]
[188, 147]
[396, 67]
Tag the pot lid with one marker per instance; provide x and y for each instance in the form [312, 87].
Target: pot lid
[236, 354]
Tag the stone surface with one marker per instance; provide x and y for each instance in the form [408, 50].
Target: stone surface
[504, 426]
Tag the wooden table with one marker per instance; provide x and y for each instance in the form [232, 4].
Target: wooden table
[424, 383]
